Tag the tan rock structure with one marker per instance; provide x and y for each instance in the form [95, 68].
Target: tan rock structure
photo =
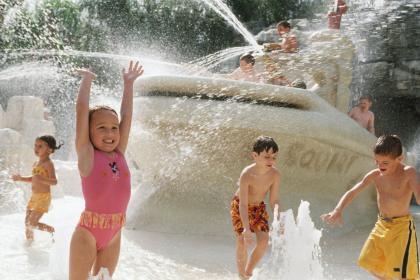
[193, 136]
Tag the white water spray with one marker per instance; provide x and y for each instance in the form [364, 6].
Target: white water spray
[224, 11]
[295, 250]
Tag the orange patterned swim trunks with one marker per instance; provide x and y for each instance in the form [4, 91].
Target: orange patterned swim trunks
[257, 215]
[39, 202]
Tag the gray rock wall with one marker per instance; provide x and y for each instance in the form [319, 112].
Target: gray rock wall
[387, 64]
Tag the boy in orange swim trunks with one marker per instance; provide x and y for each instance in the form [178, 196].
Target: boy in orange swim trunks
[43, 177]
[248, 211]
[390, 252]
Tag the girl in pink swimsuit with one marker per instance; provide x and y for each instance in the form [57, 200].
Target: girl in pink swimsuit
[101, 141]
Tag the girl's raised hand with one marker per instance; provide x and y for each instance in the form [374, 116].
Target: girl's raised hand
[86, 73]
[134, 71]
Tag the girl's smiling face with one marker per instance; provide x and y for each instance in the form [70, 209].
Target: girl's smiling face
[104, 130]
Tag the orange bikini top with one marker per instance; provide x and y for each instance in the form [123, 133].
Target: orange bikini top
[39, 170]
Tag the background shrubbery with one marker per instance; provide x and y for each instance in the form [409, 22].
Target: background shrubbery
[181, 29]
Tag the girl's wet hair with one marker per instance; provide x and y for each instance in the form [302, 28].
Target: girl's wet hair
[388, 145]
[50, 140]
[99, 108]
[264, 143]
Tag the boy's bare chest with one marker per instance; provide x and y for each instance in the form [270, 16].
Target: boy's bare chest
[260, 184]
[362, 116]
[395, 187]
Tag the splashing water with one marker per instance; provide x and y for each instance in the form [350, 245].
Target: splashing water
[415, 149]
[102, 275]
[204, 64]
[295, 250]
[154, 66]
[224, 11]
[362, 4]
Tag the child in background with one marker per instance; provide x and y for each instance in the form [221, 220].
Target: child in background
[362, 114]
[248, 211]
[246, 71]
[101, 142]
[335, 13]
[43, 177]
[289, 43]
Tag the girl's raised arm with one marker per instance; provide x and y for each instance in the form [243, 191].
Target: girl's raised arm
[134, 71]
[84, 147]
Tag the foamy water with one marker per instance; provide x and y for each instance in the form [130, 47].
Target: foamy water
[44, 259]
[287, 237]
[295, 253]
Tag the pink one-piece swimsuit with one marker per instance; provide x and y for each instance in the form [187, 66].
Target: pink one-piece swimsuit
[107, 192]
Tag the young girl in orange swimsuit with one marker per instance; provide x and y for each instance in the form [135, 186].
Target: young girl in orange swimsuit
[43, 177]
[101, 141]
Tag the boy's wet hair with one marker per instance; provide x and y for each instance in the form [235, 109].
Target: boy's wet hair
[248, 58]
[388, 145]
[264, 143]
[285, 24]
[50, 140]
[366, 97]
[99, 108]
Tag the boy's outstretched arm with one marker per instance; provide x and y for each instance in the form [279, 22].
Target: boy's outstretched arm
[134, 71]
[335, 217]
[272, 46]
[84, 147]
[414, 183]
[274, 192]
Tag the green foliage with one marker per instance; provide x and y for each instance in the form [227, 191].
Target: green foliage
[55, 24]
[266, 12]
[177, 28]
[29, 30]
[66, 15]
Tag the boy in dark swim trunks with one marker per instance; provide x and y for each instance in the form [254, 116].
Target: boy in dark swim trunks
[390, 252]
[248, 211]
